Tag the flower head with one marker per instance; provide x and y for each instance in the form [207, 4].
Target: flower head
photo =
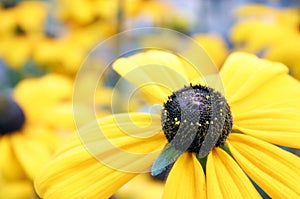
[33, 123]
[211, 158]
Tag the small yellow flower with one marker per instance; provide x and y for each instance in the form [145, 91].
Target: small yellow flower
[21, 27]
[65, 54]
[30, 16]
[32, 125]
[261, 100]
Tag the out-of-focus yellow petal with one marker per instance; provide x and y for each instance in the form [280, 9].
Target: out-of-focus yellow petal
[9, 166]
[282, 52]
[288, 16]
[157, 73]
[35, 95]
[17, 190]
[276, 171]
[16, 51]
[75, 173]
[277, 126]
[141, 187]
[243, 36]
[31, 15]
[59, 115]
[253, 9]
[225, 179]
[31, 154]
[50, 138]
[243, 74]
[214, 45]
[186, 179]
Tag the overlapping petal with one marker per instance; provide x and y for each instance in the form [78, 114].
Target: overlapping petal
[243, 74]
[186, 179]
[264, 99]
[277, 126]
[225, 179]
[157, 73]
[121, 150]
[276, 171]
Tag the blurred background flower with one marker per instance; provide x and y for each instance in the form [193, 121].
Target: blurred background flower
[272, 33]
[43, 44]
[34, 121]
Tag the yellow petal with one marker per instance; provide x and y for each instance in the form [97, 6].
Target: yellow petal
[17, 190]
[31, 154]
[269, 34]
[276, 171]
[243, 74]
[214, 45]
[59, 115]
[277, 126]
[48, 137]
[157, 73]
[9, 166]
[186, 179]
[45, 91]
[225, 179]
[254, 9]
[105, 161]
[141, 187]
[280, 92]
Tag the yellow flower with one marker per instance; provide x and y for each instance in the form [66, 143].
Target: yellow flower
[21, 26]
[264, 105]
[65, 54]
[269, 32]
[30, 16]
[80, 12]
[33, 124]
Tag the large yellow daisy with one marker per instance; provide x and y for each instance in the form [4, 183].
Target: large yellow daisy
[33, 123]
[259, 110]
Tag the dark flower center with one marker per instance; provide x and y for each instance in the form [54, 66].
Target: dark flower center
[12, 117]
[8, 4]
[194, 113]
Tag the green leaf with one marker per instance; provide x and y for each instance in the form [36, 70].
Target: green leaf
[167, 157]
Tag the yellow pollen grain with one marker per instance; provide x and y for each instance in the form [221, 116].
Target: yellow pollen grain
[207, 122]
[177, 123]
[207, 96]
[176, 119]
[198, 124]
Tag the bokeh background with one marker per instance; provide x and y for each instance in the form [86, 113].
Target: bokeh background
[44, 43]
